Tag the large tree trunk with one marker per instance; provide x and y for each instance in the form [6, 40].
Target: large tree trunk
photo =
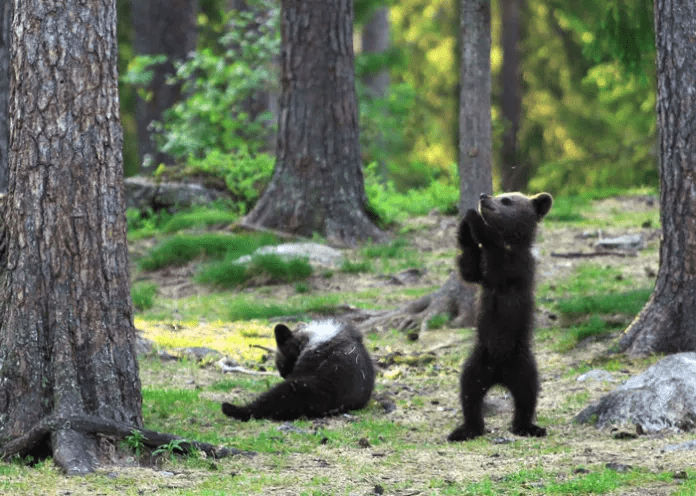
[668, 322]
[161, 27]
[317, 185]
[66, 329]
[5, 29]
[514, 175]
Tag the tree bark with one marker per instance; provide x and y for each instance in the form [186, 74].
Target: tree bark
[67, 341]
[475, 143]
[161, 27]
[667, 323]
[5, 27]
[317, 185]
[514, 175]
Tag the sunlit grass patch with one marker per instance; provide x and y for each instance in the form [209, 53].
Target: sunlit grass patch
[237, 340]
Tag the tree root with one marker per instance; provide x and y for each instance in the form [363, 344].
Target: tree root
[454, 298]
[73, 441]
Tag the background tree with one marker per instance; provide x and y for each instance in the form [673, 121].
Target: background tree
[514, 172]
[317, 185]
[668, 321]
[162, 27]
[5, 24]
[455, 298]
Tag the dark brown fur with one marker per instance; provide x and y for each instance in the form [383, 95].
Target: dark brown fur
[321, 377]
[496, 246]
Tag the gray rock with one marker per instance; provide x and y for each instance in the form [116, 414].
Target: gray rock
[628, 242]
[596, 375]
[662, 397]
[144, 192]
[685, 446]
[316, 254]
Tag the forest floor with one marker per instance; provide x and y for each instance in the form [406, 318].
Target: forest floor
[397, 445]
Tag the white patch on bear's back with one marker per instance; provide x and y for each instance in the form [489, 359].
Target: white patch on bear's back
[321, 331]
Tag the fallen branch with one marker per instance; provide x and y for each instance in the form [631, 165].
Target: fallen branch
[580, 254]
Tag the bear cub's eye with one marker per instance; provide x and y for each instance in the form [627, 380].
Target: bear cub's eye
[506, 201]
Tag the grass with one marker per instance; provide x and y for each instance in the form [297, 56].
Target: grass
[371, 451]
[180, 249]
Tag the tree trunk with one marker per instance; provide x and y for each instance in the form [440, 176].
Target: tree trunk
[161, 27]
[375, 39]
[456, 297]
[514, 175]
[475, 145]
[667, 323]
[317, 185]
[66, 325]
[5, 27]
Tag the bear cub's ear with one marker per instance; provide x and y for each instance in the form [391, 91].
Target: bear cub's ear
[542, 204]
[282, 334]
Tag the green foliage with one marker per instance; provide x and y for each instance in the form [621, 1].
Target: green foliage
[438, 321]
[219, 81]
[390, 206]
[245, 309]
[181, 249]
[135, 442]
[172, 447]
[351, 267]
[270, 268]
[143, 295]
[199, 217]
[627, 303]
[245, 174]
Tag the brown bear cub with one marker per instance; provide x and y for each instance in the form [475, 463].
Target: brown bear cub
[327, 371]
[496, 252]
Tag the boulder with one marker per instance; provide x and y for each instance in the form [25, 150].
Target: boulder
[662, 397]
[316, 254]
[144, 192]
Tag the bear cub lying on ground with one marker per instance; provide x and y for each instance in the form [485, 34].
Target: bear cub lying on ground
[327, 371]
[496, 252]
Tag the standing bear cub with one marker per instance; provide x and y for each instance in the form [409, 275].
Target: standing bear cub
[496, 252]
[327, 371]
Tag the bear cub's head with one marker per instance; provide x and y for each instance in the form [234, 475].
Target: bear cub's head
[289, 347]
[514, 215]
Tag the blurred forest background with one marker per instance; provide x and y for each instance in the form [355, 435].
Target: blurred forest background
[573, 93]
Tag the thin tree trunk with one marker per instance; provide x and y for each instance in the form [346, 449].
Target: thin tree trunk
[5, 36]
[515, 175]
[67, 341]
[161, 27]
[317, 185]
[475, 145]
[668, 322]
[475, 149]
[375, 39]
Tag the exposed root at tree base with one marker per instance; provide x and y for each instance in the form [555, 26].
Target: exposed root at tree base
[454, 299]
[74, 447]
